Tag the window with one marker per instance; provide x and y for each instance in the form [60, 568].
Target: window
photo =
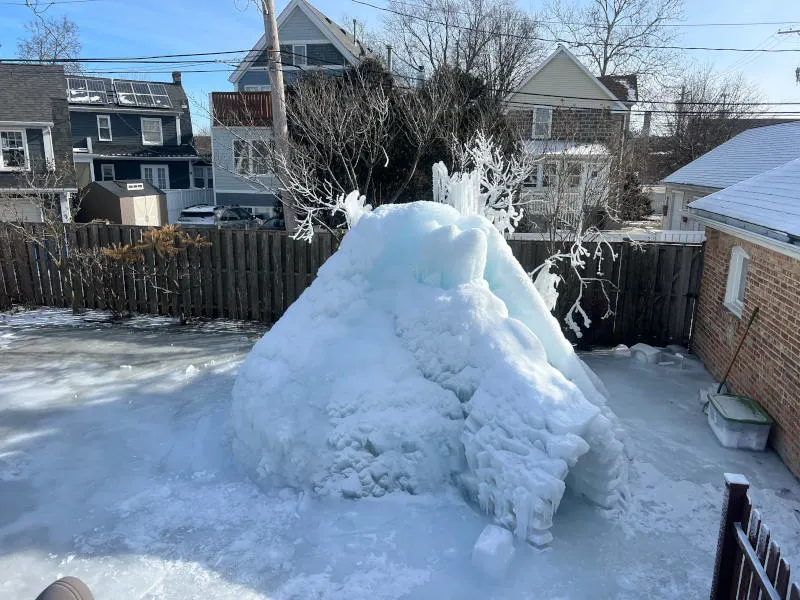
[251, 157]
[300, 56]
[737, 276]
[573, 175]
[13, 150]
[157, 175]
[203, 177]
[107, 172]
[104, 128]
[532, 180]
[151, 132]
[549, 174]
[256, 88]
[542, 122]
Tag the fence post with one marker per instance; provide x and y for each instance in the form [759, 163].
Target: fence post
[733, 510]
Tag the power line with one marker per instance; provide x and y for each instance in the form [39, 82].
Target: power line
[674, 24]
[556, 41]
[49, 3]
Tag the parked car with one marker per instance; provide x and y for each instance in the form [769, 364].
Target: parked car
[274, 223]
[207, 215]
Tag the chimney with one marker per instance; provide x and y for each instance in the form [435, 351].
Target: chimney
[389, 58]
[176, 78]
[355, 30]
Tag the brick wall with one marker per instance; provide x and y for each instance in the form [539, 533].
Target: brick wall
[768, 367]
[582, 125]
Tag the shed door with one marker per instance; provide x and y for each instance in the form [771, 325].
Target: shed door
[147, 211]
[675, 208]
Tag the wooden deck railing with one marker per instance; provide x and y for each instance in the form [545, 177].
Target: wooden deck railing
[235, 109]
[749, 564]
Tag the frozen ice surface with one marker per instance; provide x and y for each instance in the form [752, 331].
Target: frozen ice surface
[622, 351]
[422, 355]
[493, 551]
[125, 478]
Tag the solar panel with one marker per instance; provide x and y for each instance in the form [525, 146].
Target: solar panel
[141, 93]
[125, 93]
[86, 91]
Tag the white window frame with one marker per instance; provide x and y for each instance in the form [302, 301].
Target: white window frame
[3, 166]
[154, 167]
[296, 56]
[100, 128]
[160, 131]
[103, 175]
[737, 280]
[534, 135]
[256, 88]
[250, 158]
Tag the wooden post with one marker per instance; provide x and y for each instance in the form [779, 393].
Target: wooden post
[733, 510]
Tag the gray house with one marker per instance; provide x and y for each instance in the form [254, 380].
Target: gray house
[130, 130]
[35, 148]
[746, 155]
[309, 41]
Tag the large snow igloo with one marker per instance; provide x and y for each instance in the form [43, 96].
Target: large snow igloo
[421, 357]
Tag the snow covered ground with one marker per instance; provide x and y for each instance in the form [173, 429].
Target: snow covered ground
[115, 466]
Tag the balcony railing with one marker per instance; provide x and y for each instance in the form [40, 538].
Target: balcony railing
[234, 109]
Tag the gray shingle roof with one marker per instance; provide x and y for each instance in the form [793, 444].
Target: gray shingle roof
[750, 153]
[770, 200]
[340, 33]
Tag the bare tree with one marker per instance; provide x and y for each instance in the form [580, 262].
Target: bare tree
[620, 36]
[493, 39]
[709, 109]
[51, 40]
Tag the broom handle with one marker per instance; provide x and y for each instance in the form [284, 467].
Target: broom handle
[739, 347]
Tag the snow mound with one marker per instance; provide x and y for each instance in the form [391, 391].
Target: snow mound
[422, 356]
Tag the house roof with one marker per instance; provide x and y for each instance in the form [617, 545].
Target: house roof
[568, 148]
[120, 189]
[604, 92]
[27, 92]
[344, 41]
[746, 155]
[770, 200]
[624, 87]
[175, 91]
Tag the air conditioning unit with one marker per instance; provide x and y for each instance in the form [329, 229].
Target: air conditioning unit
[138, 185]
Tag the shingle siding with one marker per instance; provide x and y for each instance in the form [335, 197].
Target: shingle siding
[298, 27]
[37, 93]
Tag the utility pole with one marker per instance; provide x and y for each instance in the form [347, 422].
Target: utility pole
[280, 128]
[797, 70]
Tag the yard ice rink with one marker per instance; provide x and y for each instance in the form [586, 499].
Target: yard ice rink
[115, 466]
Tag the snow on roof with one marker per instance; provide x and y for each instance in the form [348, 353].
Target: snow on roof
[770, 200]
[750, 153]
[569, 148]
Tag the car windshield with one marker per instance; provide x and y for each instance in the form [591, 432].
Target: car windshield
[242, 213]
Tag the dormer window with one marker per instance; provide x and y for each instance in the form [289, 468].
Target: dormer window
[152, 134]
[542, 122]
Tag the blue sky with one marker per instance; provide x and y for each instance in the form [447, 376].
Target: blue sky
[147, 27]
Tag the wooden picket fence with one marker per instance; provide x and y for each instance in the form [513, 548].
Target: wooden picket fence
[255, 275]
[748, 565]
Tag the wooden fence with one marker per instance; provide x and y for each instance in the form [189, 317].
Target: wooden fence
[748, 564]
[256, 274]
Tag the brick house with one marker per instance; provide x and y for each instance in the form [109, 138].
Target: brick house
[576, 124]
[752, 258]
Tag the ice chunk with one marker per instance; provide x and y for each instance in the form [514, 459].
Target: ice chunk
[423, 356]
[646, 353]
[621, 351]
[493, 551]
